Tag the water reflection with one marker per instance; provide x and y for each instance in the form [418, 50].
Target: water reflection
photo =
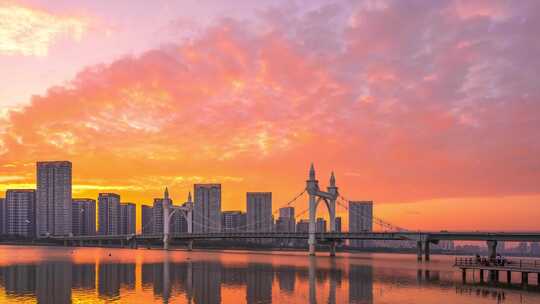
[242, 278]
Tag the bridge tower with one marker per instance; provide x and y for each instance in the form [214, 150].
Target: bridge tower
[315, 197]
[166, 219]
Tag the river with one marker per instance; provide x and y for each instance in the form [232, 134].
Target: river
[56, 275]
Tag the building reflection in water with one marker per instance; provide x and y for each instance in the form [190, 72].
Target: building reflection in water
[286, 276]
[53, 282]
[360, 284]
[19, 280]
[259, 283]
[113, 276]
[83, 276]
[195, 281]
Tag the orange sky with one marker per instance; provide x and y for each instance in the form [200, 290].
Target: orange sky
[429, 109]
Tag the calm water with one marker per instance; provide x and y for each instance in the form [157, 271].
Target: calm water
[100, 275]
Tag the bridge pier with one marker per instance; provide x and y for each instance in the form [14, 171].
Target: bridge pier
[494, 276]
[419, 251]
[509, 277]
[524, 278]
[481, 275]
[332, 249]
[426, 251]
[190, 245]
[492, 249]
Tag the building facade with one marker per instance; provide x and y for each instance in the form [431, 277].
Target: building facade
[127, 218]
[233, 221]
[2, 216]
[360, 220]
[53, 198]
[320, 225]
[286, 221]
[259, 211]
[338, 224]
[109, 214]
[21, 212]
[207, 208]
[146, 219]
[84, 216]
[157, 215]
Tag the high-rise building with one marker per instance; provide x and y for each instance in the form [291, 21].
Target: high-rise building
[53, 198]
[286, 221]
[338, 224]
[259, 211]
[127, 218]
[157, 215]
[21, 212]
[179, 223]
[2, 216]
[84, 216]
[146, 219]
[233, 221]
[360, 219]
[109, 214]
[320, 225]
[207, 208]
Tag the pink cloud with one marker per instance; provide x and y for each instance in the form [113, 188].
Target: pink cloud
[416, 101]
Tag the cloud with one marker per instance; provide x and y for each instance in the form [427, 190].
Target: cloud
[31, 32]
[408, 100]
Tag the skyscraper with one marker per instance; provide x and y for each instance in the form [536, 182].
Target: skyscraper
[109, 214]
[207, 208]
[53, 198]
[157, 215]
[2, 216]
[84, 216]
[21, 212]
[146, 219]
[259, 211]
[360, 219]
[127, 218]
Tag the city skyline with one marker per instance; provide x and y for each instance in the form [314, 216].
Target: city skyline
[415, 106]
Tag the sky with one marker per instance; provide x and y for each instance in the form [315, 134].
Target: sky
[429, 108]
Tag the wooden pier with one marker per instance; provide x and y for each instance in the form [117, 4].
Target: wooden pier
[495, 268]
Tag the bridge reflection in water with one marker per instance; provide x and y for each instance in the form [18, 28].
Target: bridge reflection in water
[202, 277]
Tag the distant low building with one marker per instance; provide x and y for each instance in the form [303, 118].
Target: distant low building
[233, 221]
[320, 225]
[338, 224]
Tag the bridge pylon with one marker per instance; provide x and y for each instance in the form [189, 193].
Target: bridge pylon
[315, 197]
